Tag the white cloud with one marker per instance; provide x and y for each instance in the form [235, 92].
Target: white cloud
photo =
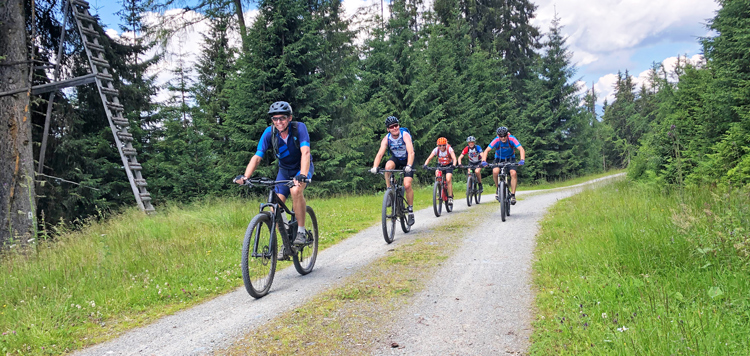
[605, 85]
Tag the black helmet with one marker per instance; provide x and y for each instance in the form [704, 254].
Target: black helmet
[390, 120]
[502, 131]
[471, 139]
[280, 107]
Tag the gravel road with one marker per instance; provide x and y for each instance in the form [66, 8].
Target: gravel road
[478, 304]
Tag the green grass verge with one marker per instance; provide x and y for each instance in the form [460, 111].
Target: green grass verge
[631, 270]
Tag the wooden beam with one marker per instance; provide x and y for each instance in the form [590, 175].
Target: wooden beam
[46, 88]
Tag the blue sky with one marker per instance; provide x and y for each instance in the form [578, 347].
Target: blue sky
[605, 36]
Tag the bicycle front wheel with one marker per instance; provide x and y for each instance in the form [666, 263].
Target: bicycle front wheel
[469, 187]
[389, 215]
[477, 194]
[304, 258]
[258, 256]
[501, 197]
[437, 199]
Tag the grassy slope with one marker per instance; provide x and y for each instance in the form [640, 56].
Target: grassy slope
[631, 270]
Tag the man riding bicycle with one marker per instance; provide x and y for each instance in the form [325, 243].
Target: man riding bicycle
[292, 150]
[446, 158]
[474, 153]
[399, 143]
[505, 145]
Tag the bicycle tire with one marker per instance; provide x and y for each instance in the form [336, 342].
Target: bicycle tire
[448, 207]
[437, 199]
[389, 219]
[258, 272]
[507, 203]
[402, 215]
[477, 194]
[304, 258]
[469, 189]
[501, 198]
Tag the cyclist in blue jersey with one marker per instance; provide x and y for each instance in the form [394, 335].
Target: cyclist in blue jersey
[474, 153]
[398, 142]
[292, 150]
[505, 146]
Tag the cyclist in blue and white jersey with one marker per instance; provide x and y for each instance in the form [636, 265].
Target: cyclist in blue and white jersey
[505, 146]
[474, 153]
[292, 151]
[398, 142]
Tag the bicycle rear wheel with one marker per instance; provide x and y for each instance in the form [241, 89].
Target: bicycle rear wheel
[469, 189]
[258, 256]
[304, 258]
[437, 199]
[389, 215]
[501, 197]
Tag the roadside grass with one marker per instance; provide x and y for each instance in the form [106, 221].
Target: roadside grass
[351, 319]
[633, 270]
[91, 285]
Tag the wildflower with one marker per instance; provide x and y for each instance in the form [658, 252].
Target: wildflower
[604, 315]
[622, 329]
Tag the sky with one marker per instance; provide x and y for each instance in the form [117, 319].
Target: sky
[605, 36]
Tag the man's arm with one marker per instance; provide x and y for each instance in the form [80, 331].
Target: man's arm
[523, 153]
[460, 158]
[409, 149]
[304, 164]
[484, 154]
[432, 154]
[453, 155]
[381, 152]
[254, 162]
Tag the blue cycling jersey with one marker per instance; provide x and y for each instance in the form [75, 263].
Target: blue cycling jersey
[289, 156]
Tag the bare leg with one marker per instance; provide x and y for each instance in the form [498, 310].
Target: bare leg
[449, 183]
[409, 191]
[389, 165]
[478, 173]
[513, 182]
[299, 204]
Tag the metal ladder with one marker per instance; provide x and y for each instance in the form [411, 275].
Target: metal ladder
[112, 106]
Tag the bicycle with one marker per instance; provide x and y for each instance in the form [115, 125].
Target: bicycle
[260, 247]
[503, 187]
[440, 192]
[394, 205]
[472, 187]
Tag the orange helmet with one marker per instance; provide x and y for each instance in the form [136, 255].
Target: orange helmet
[442, 141]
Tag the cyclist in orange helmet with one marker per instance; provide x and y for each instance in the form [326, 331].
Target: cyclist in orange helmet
[446, 158]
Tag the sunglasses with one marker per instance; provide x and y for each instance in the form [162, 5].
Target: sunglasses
[393, 126]
[280, 118]
[441, 145]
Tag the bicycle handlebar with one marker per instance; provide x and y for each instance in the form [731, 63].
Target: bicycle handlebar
[381, 171]
[439, 168]
[265, 181]
[501, 164]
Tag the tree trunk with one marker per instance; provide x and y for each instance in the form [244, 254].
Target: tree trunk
[241, 20]
[17, 213]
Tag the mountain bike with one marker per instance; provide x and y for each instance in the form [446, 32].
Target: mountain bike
[394, 205]
[503, 187]
[472, 187]
[260, 247]
[440, 192]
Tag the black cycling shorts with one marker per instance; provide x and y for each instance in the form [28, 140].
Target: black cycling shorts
[508, 160]
[401, 163]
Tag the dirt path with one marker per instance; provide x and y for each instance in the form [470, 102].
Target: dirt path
[478, 303]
